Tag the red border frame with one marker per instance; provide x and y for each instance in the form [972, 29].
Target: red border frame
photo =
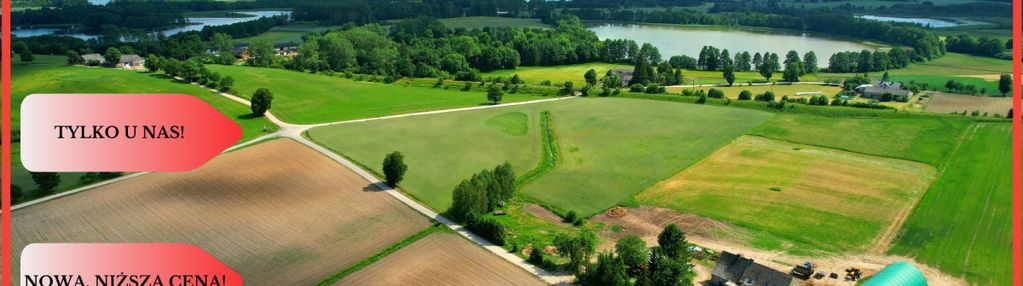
[5, 141]
[1017, 79]
[5, 177]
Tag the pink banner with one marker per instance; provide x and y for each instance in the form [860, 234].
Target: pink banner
[121, 132]
[144, 264]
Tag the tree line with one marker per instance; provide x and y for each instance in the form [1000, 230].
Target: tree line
[982, 46]
[867, 61]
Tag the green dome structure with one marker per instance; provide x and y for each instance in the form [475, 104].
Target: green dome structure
[897, 274]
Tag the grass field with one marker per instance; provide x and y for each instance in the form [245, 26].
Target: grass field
[963, 225]
[232, 208]
[810, 197]
[947, 103]
[556, 74]
[291, 33]
[315, 98]
[49, 74]
[480, 22]
[923, 140]
[442, 258]
[612, 148]
[779, 90]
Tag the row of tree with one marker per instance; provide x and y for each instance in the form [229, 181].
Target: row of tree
[667, 264]
[983, 46]
[867, 61]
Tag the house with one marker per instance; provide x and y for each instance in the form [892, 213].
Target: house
[735, 270]
[93, 58]
[132, 62]
[625, 75]
[129, 61]
[879, 88]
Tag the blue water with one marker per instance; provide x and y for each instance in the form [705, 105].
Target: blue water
[934, 23]
[197, 24]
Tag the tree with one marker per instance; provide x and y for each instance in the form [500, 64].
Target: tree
[73, 58]
[494, 94]
[633, 252]
[672, 241]
[591, 77]
[226, 83]
[791, 73]
[27, 56]
[504, 179]
[112, 56]
[729, 74]
[1005, 84]
[577, 249]
[809, 62]
[569, 88]
[702, 99]
[668, 271]
[394, 168]
[608, 271]
[261, 101]
[16, 192]
[766, 70]
[515, 79]
[152, 63]
[1009, 115]
[885, 77]
[46, 181]
[745, 95]
[261, 53]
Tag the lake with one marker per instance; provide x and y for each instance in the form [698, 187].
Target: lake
[197, 25]
[934, 23]
[678, 40]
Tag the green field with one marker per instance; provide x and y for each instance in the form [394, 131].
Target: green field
[480, 22]
[49, 74]
[291, 33]
[923, 140]
[611, 148]
[798, 193]
[963, 225]
[779, 90]
[315, 98]
[556, 74]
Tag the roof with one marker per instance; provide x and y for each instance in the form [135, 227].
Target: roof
[130, 58]
[897, 274]
[93, 57]
[742, 270]
[624, 74]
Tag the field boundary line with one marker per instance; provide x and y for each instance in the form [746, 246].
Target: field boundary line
[338, 276]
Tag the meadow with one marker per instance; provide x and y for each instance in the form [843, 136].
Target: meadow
[612, 148]
[558, 75]
[779, 90]
[927, 140]
[963, 224]
[810, 198]
[50, 74]
[306, 98]
[231, 207]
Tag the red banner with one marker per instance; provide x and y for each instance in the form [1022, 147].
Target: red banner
[149, 264]
[121, 132]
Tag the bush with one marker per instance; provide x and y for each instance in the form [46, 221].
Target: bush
[766, 96]
[702, 99]
[715, 93]
[570, 217]
[467, 87]
[636, 88]
[488, 229]
[745, 95]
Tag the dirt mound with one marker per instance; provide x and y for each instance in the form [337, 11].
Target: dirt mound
[616, 212]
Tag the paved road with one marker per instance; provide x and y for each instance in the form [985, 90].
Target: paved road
[294, 132]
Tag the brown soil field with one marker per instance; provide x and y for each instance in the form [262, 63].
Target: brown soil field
[442, 258]
[947, 103]
[278, 213]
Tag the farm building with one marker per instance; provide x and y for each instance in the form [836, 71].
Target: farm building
[879, 88]
[624, 74]
[897, 274]
[129, 61]
[735, 270]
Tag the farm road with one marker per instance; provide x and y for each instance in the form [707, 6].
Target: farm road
[294, 132]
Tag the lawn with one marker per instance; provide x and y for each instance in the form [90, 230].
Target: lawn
[306, 98]
[779, 90]
[612, 148]
[480, 22]
[48, 74]
[799, 193]
[927, 140]
[963, 225]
